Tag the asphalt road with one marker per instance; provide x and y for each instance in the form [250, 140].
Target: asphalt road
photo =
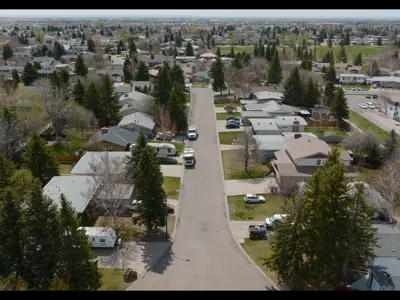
[204, 255]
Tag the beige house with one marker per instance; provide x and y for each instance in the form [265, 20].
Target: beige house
[301, 157]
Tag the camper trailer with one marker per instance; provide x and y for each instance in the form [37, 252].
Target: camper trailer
[163, 149]
[101, 237]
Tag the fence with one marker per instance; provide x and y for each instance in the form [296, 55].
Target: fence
[324, 123]
[68, 159]
[225, 99]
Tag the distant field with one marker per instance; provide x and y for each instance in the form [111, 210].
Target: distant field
[351, 51]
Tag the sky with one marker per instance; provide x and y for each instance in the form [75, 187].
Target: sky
[212, 13]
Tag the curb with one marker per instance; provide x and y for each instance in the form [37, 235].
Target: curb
[228, 219]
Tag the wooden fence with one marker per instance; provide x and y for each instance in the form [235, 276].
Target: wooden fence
[68, 159]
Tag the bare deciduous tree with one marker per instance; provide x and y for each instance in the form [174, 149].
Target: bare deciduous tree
[386, 59]
[360, 143]
[201, 65]
[243, 77]
[259, 67]
[163, 119]
[248, 150]
[229, 73]
[386, 100]
[109, 185]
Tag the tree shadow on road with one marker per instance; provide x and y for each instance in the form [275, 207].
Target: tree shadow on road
[157, 256]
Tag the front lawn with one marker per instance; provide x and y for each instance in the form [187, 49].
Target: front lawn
[223, 116]
[178, 146]
[258, 211]
[171, 187]
[227, 138]
[321, 131]
[199, 84]
[235, 170]
[113, 280]
[365, 174]
[237, 104]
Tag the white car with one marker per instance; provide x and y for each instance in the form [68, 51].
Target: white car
[252, 198]
[192, 132]
[370, 105]
[356, 89]
[363, 105]
[270, 221]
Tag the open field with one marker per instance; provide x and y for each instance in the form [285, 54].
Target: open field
[223, 116]
[171, 186]
[235, 170]
[112, 280]
[259, 211]
[226, 138]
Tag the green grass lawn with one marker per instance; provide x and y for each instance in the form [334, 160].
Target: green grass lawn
[171, 187]
[112, 280]
[364, 125]
[321, 131]
[226, 138]
[235, 170]
[362, 87]
[365, 174]
[223, 116]
[188, 97]
[238, 211]
[65, 168]
[178, 146]
[258, 252]
[199, 84]
[227, 104]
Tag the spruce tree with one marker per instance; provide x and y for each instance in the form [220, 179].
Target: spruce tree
[343, 55]
[232, 53]
[148, 182]
[339, 108]
[293, 89]
[218, 53]
[40, 159]
[19, 180]
[256, 52]
[78, 270]
[7, 53]
[15, 77]
[358, 60]
[131, 160]
[90, 45]
[329, 93]
[274, 74]
[127, 70]
[310, 93]
[268, 54]
[80, 67]
[262, 50]
[391, 144]
[217, 74]
[132, 46]
[142, 73]
[58, 50]
[110, 115]
[379, 42]
[162, 84]
[177, 107]
[189, 49]
[42, 239]
[29, 75]
[177, 75]
[92, 97]
[7, 169]
[331, 74]
[78, 92]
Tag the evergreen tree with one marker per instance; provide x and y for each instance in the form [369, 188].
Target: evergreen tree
[90, 45]
[42, 239]
[268, 54]
[57, 284]
[293, 89]
[11, 250]
[189, 49]
[132, 160]
[7, 53]
[80, 67]
[274, 74]
[162, 84]
[78, 270]
[128, 72]
[148, 182]
[177, 107]
[262, 50]
[92, 97]
[19, 180]
[7, 169]
[329, 93]
[256, 52]
[343, 55]
[29, 75]
[379, 42]
[58, 50]
[217, 74]
[232, 54]
[358, 60]
[59, 79]
[331, 74]
[218, 53]
[132, 46]
[310, 93]
[347, 39]
[177, 75]
[15, 78]
[339, 108]
[315, 54]
[142, 73]
[391, 144]
[40, 159]
[78, 92]
[110, 115]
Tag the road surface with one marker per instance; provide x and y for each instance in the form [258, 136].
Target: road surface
[204, 255]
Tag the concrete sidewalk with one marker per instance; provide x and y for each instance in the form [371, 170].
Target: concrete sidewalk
[249, 186]
[222, 110]
[172, 170]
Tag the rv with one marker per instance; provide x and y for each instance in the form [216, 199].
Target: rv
[163, 149]
[101, 237]
[189, 158]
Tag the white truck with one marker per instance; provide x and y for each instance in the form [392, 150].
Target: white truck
[189, 158]
[192, 132]
[101, 237]
[163, 149]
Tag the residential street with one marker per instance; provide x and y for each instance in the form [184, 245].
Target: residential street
[204, 256]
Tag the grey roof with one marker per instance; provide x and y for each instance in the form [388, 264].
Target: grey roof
[115, 192]
[139, 118]
[385, 78]
[256, 114]
[77, 189]
[255, 107]
[137, 105]
[43, 59]
[288, 120]
[141, 84]
[202, 74]
[264, 124]
[122, 89]
[268, 95]
[118, 136]
[270, 142]
[134, 96]
[243, 102]
[87, 164]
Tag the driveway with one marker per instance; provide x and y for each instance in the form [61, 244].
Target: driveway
[240, 229]
[249, 186]
[172, 170]
[203, 256]
[222, 110]
[221, 127]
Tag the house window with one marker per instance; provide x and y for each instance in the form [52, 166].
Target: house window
[318, 162]
[102, 240]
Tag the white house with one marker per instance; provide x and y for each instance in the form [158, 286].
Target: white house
[352, 78]
[386, 82]
[138, 121]
[291, 123]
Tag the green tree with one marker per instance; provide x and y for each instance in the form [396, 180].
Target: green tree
[177, 75]
[142, 73]
[15, 78]
[132, 46]
[57, 284]
[78, 92]
[268, 54]
[37, 65]
[162, 84]
[177, 107]
[29, 75]
[358, 60]
[189, 49]
[40, 159]
[329, 93]
[331, 74]
[217, 74]
[310, 93]
[232, 53]
[110, 115]
[339, 108]
[293, 88]
[7, 169]
[58, 50]
[343, 55]
[132, 160]
[19, 180]
[13, 283]
[379, 41]
[90, 45]
[92, 98]
[391, 144]
[42, 239]
[80, 67]
[256, 51]
[7, 53]
[218, 53]
[59, 79]
[128, 71]
[78, 270]
[274, 74]
[148, 181]
[11, 249]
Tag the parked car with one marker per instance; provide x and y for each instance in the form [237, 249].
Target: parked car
[363, 105]
[232, 125]
[370, 105]
[253, 198]
[356, 89]
[377, 105]
[270, 222]
[233, 122]
[232, 118]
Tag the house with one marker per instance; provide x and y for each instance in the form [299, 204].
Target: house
[155, 59]
[291, 123]
[265, 127]
[255, 114]
[138, 121]
[67, 59]
[116, 62]
[355, 69]
[208, 55]
[88, 162]
[301, 157]
[133, 96]
[121, 89]
[202, 76]
[386, 81]
[276, 109]
[46, 63]
[352, 78]
[113, 139]
[116, 76]
[265, 96]
[62, 67]
[73, 187]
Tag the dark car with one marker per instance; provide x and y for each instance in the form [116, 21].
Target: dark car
[232, 125]
[170, 208]
[232, 118]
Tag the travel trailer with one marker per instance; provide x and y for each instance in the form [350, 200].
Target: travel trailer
[163, 149]
[101, 237]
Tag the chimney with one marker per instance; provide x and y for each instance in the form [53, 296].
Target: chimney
[104, 130]
[297, 135]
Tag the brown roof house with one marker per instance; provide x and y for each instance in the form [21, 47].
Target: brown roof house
[300, 158]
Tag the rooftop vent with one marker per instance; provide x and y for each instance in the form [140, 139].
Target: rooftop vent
[104, 130]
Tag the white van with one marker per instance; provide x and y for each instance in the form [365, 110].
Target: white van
[101, 237]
